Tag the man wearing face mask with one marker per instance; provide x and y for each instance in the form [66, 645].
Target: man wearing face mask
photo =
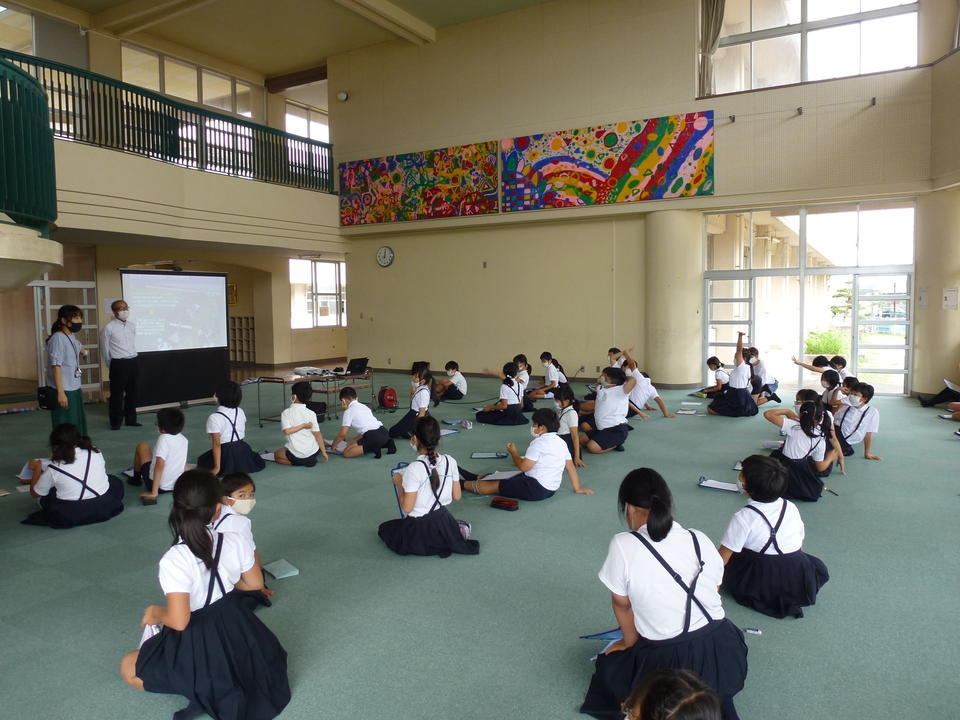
[119, 351]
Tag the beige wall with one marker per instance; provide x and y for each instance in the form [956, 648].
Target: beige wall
[945, 145]
[937, 334]
[479, 296]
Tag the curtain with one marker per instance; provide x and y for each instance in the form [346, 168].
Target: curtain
[711, 20]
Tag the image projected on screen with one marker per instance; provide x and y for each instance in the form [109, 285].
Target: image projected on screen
[177, 311]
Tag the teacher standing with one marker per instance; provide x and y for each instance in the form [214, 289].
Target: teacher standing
[64, 353]
[118, 348]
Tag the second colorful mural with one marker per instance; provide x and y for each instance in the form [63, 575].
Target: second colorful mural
[665, 157]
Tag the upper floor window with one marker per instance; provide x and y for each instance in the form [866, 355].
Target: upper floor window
[318, 294]
[191, 82]
[307, 122]
[765, 43]
[16, 31]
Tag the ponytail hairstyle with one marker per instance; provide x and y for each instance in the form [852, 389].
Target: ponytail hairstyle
[510, 371]
[65, 314]
[615, 375]
[427, 379]
[811, 415]
[547, 357]
[427, 433]
[714, 360]
[195, 499]
[832, 377]
[64, 441]
[646, 488]
[521, 358]
[673, 695]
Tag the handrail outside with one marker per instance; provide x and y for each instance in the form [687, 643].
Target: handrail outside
[99, 110]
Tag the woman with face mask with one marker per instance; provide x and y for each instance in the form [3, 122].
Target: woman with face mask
[239, 496]
[64, 353]
[541, 466]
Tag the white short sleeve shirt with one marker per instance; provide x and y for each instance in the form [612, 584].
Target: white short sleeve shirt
[223, 422]
[173, 450]
[550, 454]
[55, 476]
[568, 420]
[748, 531]
[183, 572]
[740, 376]
[230, 521]
[302, 443]
[416, 478]
[511, 393]
[849, 423]
[359, 417]
[722, 375]
[611, 407]
[524, 376]
[420, 399]
[658, 602]
[552, 374]
[459, 382]
[798, 445]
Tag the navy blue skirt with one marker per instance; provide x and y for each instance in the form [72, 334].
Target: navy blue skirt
[452, 393]
[610, 437]
[62, 514]
[716, 652]
[436, 533]
[803, 482]
[734, 402]
[226, 661]
[524, 487]
[776, 585]
[511, 416]
[235, 457]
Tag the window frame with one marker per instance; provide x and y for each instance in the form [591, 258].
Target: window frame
[803, 28]
[33, 27]
[339, 295]
[311, 110]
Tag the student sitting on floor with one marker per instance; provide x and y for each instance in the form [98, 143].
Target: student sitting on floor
[208, 646]
[808, 395]
[606, 428]
[831, 397]
[820, 364]
[804, 451]
[766, 569]
[946, 395]
[644, 392]
[737, 400]
[507, 410]
[238, 496]
[552, 379]
[569, 422]
[159, 469]
[672, 695]
[75, 488]
[541, 466]
[454, 386]
[425, 488]
[299, 424]
[720, 379]
[857, 422]
[763, 384]
[664, 582]
[423, 390]
[227, 428]
[371, 436]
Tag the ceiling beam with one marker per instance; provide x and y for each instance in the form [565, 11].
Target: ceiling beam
[137, 15]
[392, 18]
[278, 83]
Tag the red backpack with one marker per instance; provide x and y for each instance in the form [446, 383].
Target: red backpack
[387, 397]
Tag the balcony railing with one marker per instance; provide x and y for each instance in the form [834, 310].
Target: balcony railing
[98, 110]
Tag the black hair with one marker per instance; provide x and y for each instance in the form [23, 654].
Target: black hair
[832, 377]
[548, 357]
[849, 382]
[419, 367]
[714, 360]
[428, 380]
[865, 389]
[170, 420]
[303, 391]
[616, 375]
[195, 498]
[232, 482]
[764, 478]
[614, 351]
[838, 360]
[229, 394]
[348, 393]
[811, 415]
[427, 433]
[546, 418]
[820, 361]
[646, 488]
[65, 314]
[452, 365]
[510, 371]
[521, 358]
[563, 392]
[673, 695]
[113, 305]
[753, 352]
[807, 395]
[65, 438]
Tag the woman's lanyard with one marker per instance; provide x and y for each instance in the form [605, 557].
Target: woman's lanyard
[76, 373]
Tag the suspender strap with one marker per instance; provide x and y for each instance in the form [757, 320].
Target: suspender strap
[773, 528]
[83, 483]
[689, 590]
[813, 447]
[439, 491]
[221, 521]
[215, 572]
[853, 432]
[234, 435]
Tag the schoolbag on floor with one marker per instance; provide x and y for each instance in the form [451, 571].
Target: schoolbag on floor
[387, 398]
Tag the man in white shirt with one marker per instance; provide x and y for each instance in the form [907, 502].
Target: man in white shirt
[118, 349]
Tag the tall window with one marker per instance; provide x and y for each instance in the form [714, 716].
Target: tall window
[318, 294]
[16, 31]
[307, 122]
[764, 43]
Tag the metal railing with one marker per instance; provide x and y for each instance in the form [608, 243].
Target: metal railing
[98, 110]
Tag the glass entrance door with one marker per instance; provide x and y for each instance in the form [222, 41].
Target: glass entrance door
[882, 324]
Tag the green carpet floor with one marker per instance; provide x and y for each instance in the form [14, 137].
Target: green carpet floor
[371, 634]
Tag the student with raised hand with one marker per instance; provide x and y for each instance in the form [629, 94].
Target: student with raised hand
[299, 424]
[158, 469]
[820, 364]
[607, 428]
[615, 357]
[541, 466]
[569, 420]
[766, 568]
[672, 695]
[227, 429]
[372, 436]
[508, 409]
[454, 386]
[209, 646]
[74, 489]
[663, 580]
[857, 421]
[737, 400]
[804, 452]
[553, 377]
[423, 391]
[425, 488]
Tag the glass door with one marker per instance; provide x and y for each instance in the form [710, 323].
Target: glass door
[730, 310]
[882, 331]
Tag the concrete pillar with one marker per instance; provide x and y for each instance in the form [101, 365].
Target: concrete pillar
[936, 339]
[674, 297]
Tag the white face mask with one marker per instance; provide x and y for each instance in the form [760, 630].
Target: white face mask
[413, 444]
[123, 315]
[451, 373]
[415, 383]
[754, 361]
[559, 406]
[825, 385]
[547, 364]
[533, 432]
[243, 505]
[855, 400]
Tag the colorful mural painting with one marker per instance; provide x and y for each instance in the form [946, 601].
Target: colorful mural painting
[663, 157]
[432, 184]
